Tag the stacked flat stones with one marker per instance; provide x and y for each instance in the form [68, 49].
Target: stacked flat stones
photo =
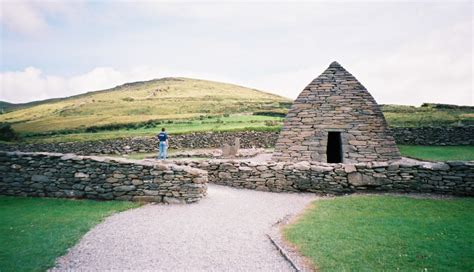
[445, 178]
[335, 101]
[248, 139]
[72, 176]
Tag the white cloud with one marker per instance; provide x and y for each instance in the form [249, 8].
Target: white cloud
[436, 67]
[22, 17]
[29, 17]
[29, 85]
[32, 84]
[405, 53]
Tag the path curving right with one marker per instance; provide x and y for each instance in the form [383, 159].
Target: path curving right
[226, 231]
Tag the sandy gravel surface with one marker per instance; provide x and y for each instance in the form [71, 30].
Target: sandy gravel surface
[223, 232]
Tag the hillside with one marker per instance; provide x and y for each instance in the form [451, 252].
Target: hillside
[160, 99]
[5, 106]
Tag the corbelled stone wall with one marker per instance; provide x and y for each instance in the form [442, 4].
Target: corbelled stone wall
[462, 135]
[71, 176]
[452, 178]
[335, 102]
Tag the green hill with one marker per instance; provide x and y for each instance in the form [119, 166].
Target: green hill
[160, 99]
[5, 106]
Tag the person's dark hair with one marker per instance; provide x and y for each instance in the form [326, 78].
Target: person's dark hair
[163, 129]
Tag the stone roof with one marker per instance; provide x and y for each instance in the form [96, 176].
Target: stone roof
[335, 102]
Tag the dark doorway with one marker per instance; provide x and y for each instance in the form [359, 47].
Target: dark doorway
[334, 148]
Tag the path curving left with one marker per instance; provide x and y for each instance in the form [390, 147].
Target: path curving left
[223, 232]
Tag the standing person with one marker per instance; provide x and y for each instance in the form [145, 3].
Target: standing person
[163, 146]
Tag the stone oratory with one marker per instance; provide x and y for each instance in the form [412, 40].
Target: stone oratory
[335, 120]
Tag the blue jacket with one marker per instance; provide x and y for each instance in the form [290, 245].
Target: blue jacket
[162, 136]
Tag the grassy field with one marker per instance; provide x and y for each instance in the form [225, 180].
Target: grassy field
[427, 115]
[35, 231]
[438, 153]
[387, 233]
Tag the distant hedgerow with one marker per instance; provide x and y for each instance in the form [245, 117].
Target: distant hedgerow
[274, 113]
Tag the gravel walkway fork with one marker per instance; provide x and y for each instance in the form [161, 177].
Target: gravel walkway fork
[223, 232]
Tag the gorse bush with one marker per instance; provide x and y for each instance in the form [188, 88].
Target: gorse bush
[7, 133]
[447, 106]
[272, 123]
[286, 105]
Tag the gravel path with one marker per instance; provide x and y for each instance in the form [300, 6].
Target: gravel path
[223, 232]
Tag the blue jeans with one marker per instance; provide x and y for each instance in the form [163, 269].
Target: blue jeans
[162, 148]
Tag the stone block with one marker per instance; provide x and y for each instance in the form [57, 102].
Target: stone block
[173, 200]
[436, 166]
[124, 188]
[148, 198]
[358, 179]
[37, 186]
[81, 175]
[350, 168]
[78, 187]
[39, 178]
[224, 175]
[318, 168]
[111, 180]
[302, 166]
[137, 182]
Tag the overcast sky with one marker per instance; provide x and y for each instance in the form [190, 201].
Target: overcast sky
[402, 52]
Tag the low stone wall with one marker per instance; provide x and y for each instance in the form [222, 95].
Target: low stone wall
[453, 178]
[248, 139]
[67, 175]
[71, 176]
[463, 135]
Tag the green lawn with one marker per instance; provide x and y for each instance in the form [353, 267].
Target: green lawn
[387, 233]
[438, 153]
[35, 231]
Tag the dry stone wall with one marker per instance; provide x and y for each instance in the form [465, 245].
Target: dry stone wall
[452, 178]
[248, 139]
[71, 176]
[461, 135]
